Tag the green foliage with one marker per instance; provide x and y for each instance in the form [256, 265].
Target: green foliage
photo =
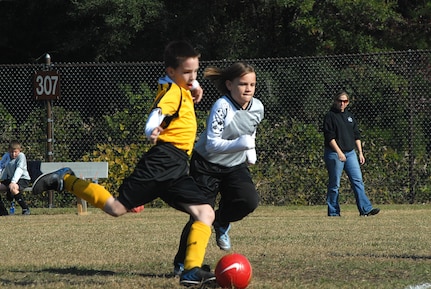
[7, 125]
[201, 118]
[299, 177]
[121, 162]
[295, 173]
[128, 30]
[111, 25]
[385, 171]
[65, 124]
[129, 124]
[60, 200]
[346, 26]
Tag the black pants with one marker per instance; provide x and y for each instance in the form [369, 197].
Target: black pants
[22, 183]
[238, 195]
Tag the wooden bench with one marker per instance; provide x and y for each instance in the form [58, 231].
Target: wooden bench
[84, 170]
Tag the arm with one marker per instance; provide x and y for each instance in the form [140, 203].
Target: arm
[4, 160]
[251, 153]
[361, 154]
[222, 146]
[21, 165]
[358, 143]
[216, 124]
[251, 156]
[152, 127]
[333, 144]
[197, 92]
[329, 131]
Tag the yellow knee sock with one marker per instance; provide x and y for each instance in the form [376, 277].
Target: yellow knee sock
[93, 193]
[197, 242]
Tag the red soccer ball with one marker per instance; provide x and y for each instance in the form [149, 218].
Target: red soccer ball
[233, 271]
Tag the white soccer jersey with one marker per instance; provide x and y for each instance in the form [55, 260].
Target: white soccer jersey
[230, 131]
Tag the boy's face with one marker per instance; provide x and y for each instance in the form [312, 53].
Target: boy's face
[185, 73]
[14, 153]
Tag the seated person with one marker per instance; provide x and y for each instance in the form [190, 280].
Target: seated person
[14, 178]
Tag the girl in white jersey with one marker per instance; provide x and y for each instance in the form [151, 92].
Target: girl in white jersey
[224, 150]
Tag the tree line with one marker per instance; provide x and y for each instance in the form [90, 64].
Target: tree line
[129, 30]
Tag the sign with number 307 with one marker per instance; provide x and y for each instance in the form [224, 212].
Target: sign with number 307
[46, 85]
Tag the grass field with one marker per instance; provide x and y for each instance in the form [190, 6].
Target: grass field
[289, 247]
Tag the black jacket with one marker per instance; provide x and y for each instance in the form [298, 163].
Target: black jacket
[342, 127]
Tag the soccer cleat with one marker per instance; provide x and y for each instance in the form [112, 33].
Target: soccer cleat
[51, 181]
[197, 276]
[222, 236]
[178, 269]
[374, 211]
[26, 211]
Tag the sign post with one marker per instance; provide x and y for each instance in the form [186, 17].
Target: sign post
[46, 87]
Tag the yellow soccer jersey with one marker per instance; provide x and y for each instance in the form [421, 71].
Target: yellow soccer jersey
[181, 130]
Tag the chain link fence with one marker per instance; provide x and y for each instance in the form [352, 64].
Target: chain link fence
[102, 110]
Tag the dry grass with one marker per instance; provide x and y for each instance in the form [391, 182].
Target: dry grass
[289, 247]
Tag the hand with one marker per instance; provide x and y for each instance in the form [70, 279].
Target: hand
[155, 134]
[14, 188]
[247, 141]
[197, 94]
[342, 157]
[361, 159]
[251, 156]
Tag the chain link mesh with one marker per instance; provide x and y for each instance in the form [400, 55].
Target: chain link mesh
[106, 104]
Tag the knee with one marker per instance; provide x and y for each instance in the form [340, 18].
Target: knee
[251, 205]
[205, 214]
[114, 208]
[251, 202]
[208, 215]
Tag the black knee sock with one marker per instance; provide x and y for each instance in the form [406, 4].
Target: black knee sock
[182, 247]
[20, 200]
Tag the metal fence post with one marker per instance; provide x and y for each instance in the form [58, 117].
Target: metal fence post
[49, 131]
[411, 133]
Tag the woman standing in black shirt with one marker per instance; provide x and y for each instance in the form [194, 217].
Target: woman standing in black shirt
[341, 137]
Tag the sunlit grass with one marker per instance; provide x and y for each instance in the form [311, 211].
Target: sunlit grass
[289, 247]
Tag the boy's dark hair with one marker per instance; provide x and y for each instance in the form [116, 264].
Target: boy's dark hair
[177, 51]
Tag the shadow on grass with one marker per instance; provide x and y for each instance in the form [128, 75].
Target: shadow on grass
[404, 256]
[92, 272]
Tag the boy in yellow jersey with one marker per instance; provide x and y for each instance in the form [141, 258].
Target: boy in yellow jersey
[162, 172]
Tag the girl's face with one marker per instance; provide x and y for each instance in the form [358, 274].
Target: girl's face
[185, 73]
[242, 88]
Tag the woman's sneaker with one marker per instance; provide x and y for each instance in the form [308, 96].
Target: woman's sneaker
[197, 276]
[373, 212]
